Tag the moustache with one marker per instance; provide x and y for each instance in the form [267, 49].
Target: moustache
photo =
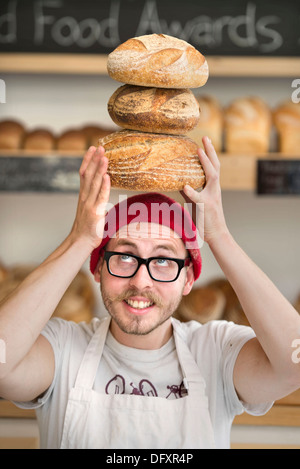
[133, 292]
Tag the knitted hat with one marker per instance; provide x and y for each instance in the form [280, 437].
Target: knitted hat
[151, 208]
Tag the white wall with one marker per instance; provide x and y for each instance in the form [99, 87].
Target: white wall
[33, 225]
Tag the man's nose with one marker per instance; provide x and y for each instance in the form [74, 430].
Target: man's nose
[142, 278]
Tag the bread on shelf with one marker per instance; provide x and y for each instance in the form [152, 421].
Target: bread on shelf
[286, 119]
[202, 304]
[77, 304]
[158, 110]
[11, 135]
[95, 132]
[158, 60]
[233, 310]
[211, 122]
[72, 140]
[39, 140]
[248, 126]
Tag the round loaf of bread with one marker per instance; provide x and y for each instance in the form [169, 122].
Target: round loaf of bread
[39, 139]
[158, 110]
[158, 60]
[11, 135]
[148, 162]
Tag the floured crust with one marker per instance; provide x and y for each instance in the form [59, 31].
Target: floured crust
[170, 111]
[147, 161]
[158, 60]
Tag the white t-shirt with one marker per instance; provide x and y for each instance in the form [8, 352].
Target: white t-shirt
[214, 346]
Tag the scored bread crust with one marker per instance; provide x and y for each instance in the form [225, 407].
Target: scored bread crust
[169, 111]
[158, 60]
[148, 162]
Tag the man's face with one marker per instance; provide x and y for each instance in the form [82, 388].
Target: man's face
[139, 305]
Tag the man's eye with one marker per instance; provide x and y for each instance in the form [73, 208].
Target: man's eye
[126, 258]
[162, 262]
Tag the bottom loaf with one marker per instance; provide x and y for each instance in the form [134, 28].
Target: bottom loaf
[150, 162]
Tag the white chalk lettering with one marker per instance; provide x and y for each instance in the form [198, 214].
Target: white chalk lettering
[8, 24]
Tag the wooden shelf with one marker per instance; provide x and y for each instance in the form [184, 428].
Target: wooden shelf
[93, 64]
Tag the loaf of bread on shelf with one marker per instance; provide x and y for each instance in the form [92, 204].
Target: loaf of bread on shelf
[248, 124]
[202, 304]
[233, 310]
[210, 123]
[158, 110]
[94, 132]
[11, 135]
[286, 119]
[72, 140]
[148, 162]
[158, 60]
[39, 139]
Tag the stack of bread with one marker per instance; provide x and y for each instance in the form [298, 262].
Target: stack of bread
[157, 109]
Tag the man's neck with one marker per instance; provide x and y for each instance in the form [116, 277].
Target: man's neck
[152, 341]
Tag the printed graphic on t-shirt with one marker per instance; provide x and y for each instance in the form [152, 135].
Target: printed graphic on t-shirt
[117, 385]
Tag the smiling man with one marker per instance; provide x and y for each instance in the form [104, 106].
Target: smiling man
[139, 378]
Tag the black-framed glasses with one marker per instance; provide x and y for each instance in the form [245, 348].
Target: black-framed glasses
[160, 269]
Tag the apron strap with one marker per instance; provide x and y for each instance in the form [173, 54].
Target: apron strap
[192, 377]
[90, 363]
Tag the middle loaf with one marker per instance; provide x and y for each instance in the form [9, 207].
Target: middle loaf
[166, 111]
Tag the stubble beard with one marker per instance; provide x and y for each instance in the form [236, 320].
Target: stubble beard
[138, 325]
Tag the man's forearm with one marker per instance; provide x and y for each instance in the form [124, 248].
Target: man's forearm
[274, 320]
[26, 311]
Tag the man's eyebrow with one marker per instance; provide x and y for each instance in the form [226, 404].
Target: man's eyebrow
[125, 242]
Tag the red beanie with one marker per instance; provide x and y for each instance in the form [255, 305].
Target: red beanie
[151, 208]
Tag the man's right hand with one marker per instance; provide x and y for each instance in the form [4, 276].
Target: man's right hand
[93, 197]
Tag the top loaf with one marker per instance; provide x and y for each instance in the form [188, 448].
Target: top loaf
[158, 60]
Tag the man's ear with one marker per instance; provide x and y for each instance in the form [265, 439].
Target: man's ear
[98, 269]
[189, 281]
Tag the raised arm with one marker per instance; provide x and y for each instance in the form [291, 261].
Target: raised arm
[265, 369]
[29, 365]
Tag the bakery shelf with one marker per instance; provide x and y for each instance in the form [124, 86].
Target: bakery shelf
[238, 172]
[93, 64]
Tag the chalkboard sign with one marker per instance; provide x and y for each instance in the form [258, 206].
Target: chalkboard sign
[278, 177]
[35, 174]
[215, 27]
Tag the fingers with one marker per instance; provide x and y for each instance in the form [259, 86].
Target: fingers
[92, 170]
[211, 153]
[86, 160]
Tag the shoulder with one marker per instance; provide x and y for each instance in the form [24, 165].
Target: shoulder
[217, 336]
[60, 332]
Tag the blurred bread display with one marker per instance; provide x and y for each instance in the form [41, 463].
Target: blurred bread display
[244, 127]
[248, 125]
[210, 123]
[40, 139]
[11, 135]
[202, 304]
[287, 123]
[76, 305]
[214, 301]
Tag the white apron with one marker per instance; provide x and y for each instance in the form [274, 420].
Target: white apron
[96, 420]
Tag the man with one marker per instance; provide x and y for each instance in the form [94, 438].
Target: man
[139, 379]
